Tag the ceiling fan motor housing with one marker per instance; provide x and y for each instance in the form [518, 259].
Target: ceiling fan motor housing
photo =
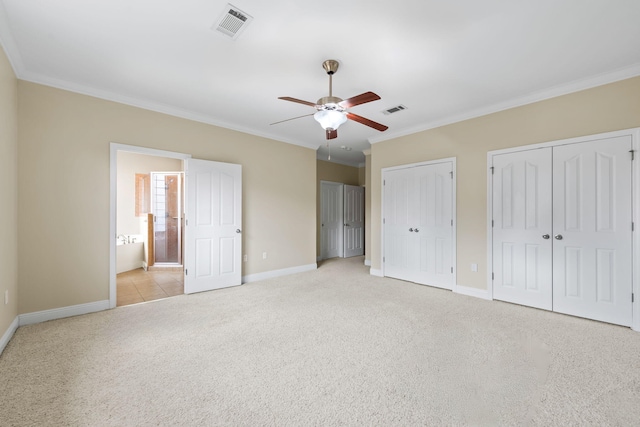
[329, 103]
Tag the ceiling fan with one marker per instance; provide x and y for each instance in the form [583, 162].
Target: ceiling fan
[332, 111]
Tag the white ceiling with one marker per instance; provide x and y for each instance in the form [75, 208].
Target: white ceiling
[444, 60]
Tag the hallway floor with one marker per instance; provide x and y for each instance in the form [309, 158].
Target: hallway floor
[139, 286]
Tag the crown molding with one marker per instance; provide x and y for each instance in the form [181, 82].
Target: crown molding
[564, 89]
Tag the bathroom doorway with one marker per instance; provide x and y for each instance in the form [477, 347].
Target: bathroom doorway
[167, 202]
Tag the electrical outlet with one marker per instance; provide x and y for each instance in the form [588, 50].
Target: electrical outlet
[264, 255]
[6, 297]
[244, 258]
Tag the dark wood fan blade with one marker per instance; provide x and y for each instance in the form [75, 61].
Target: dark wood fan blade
[299, 101]
[332, 134]
[367, 122]
[359, 99]
[293, 118]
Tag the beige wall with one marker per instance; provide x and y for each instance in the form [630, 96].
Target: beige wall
[8, 193]
[362, 176]
[334, 172]
[129, 164]
[606, 108]
[367, 207]
[63, 168]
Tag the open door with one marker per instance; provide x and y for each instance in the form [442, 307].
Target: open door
[213, 239]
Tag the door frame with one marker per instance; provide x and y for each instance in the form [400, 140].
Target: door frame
[635, 204]
[114, 147]
[454, 214]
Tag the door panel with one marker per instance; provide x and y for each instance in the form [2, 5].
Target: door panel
[214, 221]
[592, 212]
[398, 243]
[433, 226]
[331, 216]
[521, 218]
[353, 220]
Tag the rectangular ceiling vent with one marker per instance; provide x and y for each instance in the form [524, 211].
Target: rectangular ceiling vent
[394, 109]
[233, 21]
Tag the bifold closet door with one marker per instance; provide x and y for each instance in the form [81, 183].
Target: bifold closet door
[592, 218]
[353, 220]
[522, 244]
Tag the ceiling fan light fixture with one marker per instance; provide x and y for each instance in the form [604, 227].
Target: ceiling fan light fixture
[330, 119]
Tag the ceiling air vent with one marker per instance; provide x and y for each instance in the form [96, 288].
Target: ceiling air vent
[394, 109]
[233, 21]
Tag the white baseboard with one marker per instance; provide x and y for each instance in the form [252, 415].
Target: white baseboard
[473, 292]
[278, 273]
[367, 262]
[62, 312]
[8, 334]
[376, 272]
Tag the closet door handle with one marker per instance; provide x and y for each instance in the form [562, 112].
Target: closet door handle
[558, 237]
[416, 230]
[238, 231]
[545, 236]
[411, 229]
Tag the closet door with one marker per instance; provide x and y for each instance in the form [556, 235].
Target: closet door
[399, 206]
[418, 224]
[433, 226]
[353, 221]
[592, 230]
[522, 243]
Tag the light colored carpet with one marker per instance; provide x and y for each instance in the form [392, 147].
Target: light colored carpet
[334, 346]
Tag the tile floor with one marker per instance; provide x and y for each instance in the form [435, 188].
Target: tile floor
[138, 285]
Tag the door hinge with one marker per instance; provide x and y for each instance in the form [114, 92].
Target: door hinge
[452, 223]
[384, 220]
[451, 270]
[632, 297]
[491, 170]
[384, 259]
[186, 272]
[451, 173]
[633, 226]
[186, 222]
[384, 182]
[491, 223]
[633, 154]
[493, 276]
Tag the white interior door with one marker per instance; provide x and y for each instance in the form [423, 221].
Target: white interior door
[522, 244]
[331, 217]
[353, 221]
[213, 239]
[399, 201]
[433, 224]
[592, 230]
[418, 224]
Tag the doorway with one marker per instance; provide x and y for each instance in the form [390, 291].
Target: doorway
[167, 207]
[342, 220]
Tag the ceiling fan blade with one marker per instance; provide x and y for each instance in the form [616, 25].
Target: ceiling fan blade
[332, 133]
[367, 122]
[299, 101]
[293, 118]
[359, 99]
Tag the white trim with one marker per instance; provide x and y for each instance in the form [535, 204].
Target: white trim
[454, 214]
[62, 312]
[278, 273]
[473, 292]
[367, 262]
[6, 337]
[114, 147]
[563, 89]
[376, 272]
[635, 138]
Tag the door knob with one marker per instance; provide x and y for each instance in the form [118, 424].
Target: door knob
[346, 225]
[558, 237]
[416, 230]
[238, 231]
[545, 236]
[411, 229]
